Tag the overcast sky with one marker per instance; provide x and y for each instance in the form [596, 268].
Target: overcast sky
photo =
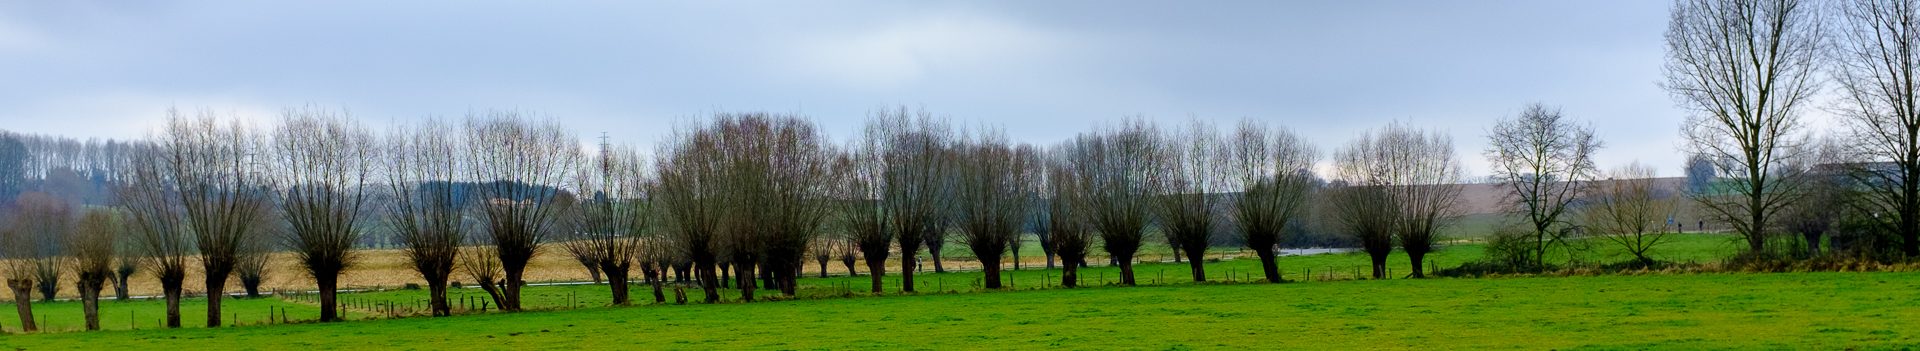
[1044, 70]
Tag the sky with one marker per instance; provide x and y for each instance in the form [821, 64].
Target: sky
[1041, 70]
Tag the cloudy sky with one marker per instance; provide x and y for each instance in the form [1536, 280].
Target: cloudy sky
[1043, 70]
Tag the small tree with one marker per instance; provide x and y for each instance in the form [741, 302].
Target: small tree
[520, 164]
[1631, 211]
[611, 220]
[160, 236]
[1114, 169]
[426, 210]
[93, 245]
[913, 160]
[1069, 234]
[1191, 168]
[321, 162]
[1544, 162]
[38, 223]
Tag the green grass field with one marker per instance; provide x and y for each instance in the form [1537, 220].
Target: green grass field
[1798, 310]
[1732, 311]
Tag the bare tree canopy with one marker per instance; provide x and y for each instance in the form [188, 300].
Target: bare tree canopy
[520, 163]
[1544, 160]
[994, 182]
[93, 247]
[1068, 231]
[1745, 68]
[1401, 185]
[37, 227]
[1274, 170]
[159, 232]
[1190, 170]
[862, 213]
[690, 196]
[422, 164]
[1628, 210]
[321, 161]
[1877, 70]
[611, 219]
[1115, 166]
[913, 160]
[214, 176]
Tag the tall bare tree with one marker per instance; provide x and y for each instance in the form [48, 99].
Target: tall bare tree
[422, 165]
[776, 173]
[1629, 210]
[1745, 68]
[1401, 185]
[690, 196]
[1274, 170]
[1114, 167]
[1544, 161]
[862, 211]
[321, 162]
[521, 164]
[93, 245]
[37, 223]
[914, 162]
[161, 237]
[1191, 169]
[216, 178]
[992, 197]
[611, 219]
[1877, 68]
[1068, 231]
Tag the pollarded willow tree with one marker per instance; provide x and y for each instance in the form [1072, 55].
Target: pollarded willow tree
[690, 196]
[321, 162]
[93, 247]
[610, 221]
[994, 182]
[1746, 68]
[36, 224]
[778, 190]
[213, 175]
[160, 236]
[1114, 167]
[1544, 162]
[422, 165]
[861, 210]
[520, 164]
[1401, 185]
[1191, 168]
[1274, 170]
[1877, 68]
[1066, 222]
[910, 151]
[1631, 211]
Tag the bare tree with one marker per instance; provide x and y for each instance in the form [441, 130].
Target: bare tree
[863, 214]
[1877, 64]
[252, 264]
[521, 164]
[422, 164]
[1066, 221]
[160, 233]
[1114, 167]
[776, 171]
[991, 194]
[1544, 161]
[321, 163]
[690, 196]
[913, 163]
[1192, 167]
[1823, 171]
[37, 223]
[1274, 168]
[215, 178]
[1629, 210]
[1745, 68]
[93, 249]
[1402, 185]
[611, 219]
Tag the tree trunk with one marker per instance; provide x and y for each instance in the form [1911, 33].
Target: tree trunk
[1070, 275]
[934, 251]
[991, 270]
[1197, 262]
[23, 302]
[1379, 266]
[768, 278]
[906, 273]
[1419, 259]
[595, 272]
[617, 281]
[329, 286]
[493, 290]
[90, 299]
[1126, 269]
[709, 281]
[659, 295]
[788, 280]
[173, 285]
[511, 290]
[1813, 241]
[823, 269]
[437, 297]
[1049, 261]
[849, 262]
[1268, 263]
[743, 269]
[216, 289]
[252, 286]
[120, 287]
[877, 270]
[726, 275]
